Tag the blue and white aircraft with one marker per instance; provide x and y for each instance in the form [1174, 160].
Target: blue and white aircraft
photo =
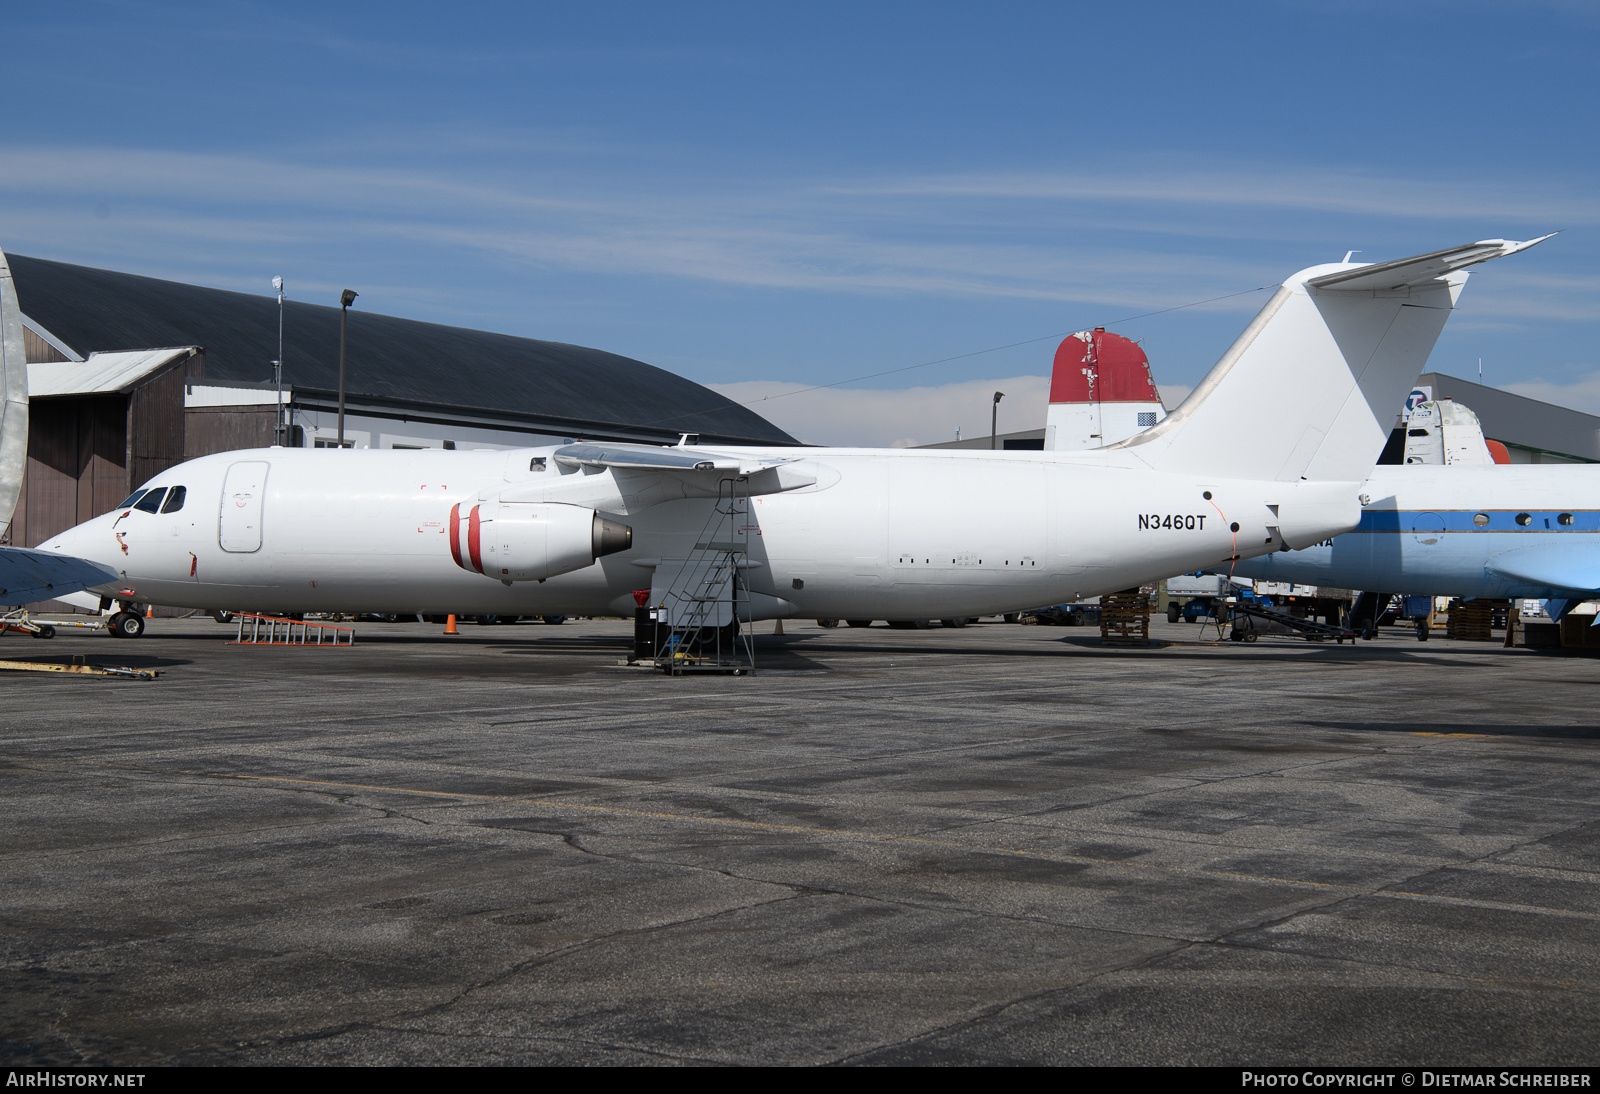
[1469, 531]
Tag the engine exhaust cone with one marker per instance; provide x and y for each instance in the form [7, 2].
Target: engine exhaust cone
[610, 536]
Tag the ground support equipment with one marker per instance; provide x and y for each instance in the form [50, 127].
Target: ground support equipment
[705, 602]
[80, 667]
[1245, 629]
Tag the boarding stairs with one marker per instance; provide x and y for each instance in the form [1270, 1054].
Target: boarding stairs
[706, 600]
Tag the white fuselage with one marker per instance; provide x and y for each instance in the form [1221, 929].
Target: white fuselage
[1471, 531]
[862, 533]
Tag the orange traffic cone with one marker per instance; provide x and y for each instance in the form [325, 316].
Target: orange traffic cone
[450, 624]
[149, 611]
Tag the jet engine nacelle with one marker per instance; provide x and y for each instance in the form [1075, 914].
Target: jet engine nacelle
[531, 542]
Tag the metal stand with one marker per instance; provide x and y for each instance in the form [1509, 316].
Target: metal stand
[1245, 630]
[709, 597]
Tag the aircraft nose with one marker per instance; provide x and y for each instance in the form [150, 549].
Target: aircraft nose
[79, 541]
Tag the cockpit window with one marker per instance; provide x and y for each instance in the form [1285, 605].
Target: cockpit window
[175, 499]
[151, 502]
[132, 498]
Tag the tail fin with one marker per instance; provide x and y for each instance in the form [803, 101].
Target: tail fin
[14, 391]
[1311, 387]
[1101, 392]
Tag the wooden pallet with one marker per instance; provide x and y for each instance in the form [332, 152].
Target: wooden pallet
[1473, 620]
[1125, 618]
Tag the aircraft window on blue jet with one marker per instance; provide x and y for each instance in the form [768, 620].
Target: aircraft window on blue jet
[1480, 519]
[175, 499]
[132, 498]
[1564, 519]
[151, 502]
[1524, 519]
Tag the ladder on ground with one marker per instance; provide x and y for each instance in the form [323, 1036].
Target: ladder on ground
[708, 599]
[276, 630]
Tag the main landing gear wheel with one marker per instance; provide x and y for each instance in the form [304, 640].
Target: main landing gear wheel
[126, 625]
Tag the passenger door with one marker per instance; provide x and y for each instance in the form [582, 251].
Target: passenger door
[243, 491]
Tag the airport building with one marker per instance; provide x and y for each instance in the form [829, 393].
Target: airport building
[130, 375]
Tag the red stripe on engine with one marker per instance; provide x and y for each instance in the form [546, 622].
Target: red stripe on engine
[455, 534]
[472, 540]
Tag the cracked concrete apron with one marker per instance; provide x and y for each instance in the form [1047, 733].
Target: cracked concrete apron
[995, 844]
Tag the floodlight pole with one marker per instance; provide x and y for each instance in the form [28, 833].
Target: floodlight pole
[277, 368]
[994, 417]
[346, 298]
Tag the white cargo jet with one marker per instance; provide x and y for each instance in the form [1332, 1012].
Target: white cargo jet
[829, 533]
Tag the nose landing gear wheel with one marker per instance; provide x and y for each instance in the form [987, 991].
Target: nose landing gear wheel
[126, 625]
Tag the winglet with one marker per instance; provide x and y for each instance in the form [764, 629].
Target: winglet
[1420, 268]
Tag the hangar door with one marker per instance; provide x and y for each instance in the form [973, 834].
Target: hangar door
[239, 529]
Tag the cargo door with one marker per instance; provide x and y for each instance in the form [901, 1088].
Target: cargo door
[243, 491]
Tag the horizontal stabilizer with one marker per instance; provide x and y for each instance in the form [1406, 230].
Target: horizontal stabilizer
[1574, 566]
[1414, 271]
[27, 577]
[1341, 343]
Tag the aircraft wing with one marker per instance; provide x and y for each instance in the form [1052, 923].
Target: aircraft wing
[645, 457]
[642, 457]
[1573, 566]
[1428, 267]
[29, 576]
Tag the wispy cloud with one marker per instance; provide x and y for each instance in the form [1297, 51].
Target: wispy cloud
[894, 419]
[1580, 394]
[1023, 236]
[1313, 190]
[877, 418]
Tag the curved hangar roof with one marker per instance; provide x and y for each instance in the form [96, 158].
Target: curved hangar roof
[549, 387]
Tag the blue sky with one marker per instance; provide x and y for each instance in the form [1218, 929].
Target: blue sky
[763, 197]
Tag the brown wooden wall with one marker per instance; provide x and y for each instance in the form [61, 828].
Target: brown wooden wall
[155, 425]
[77, 452]
[35, 348]
[87, 452]
[209, 429]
